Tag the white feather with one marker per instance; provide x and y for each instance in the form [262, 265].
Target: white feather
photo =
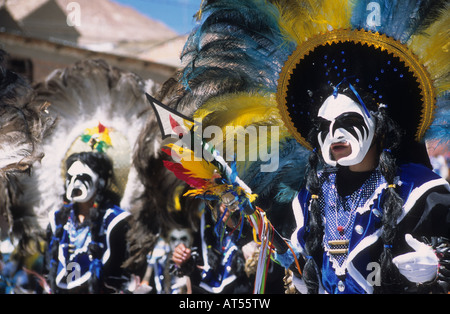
[82, 96]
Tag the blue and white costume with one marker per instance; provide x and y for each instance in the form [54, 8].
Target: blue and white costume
[214, 280]
[73, 241]
[349, 263]
[221, 259]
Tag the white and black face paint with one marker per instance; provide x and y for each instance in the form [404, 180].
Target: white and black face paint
[344, 123]
[180, 236]
[81, 183]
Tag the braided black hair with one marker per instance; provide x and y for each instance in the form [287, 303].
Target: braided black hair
[315, 229]
[393, 203]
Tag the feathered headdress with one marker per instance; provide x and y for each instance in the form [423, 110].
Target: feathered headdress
[97, 107]
[396, 76]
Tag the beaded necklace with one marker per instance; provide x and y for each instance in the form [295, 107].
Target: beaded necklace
[339, 215]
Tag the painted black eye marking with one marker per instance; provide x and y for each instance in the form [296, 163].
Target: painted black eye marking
[84, 178]
[349, 121]
[182, 238]
[322, 127]
[68, 179]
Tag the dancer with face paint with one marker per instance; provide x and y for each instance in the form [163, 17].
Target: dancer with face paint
[87, 236]
[159, 273]
[366, 219]
[346, 132]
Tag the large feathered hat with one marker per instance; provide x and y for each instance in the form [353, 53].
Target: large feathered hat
[390, 52]
[393, 77]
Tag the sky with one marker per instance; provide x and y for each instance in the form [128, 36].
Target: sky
[177, 14]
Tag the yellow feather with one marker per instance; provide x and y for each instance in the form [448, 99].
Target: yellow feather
[176, 198]
[303, 19]
[196, 168]
[434, 51]
[241, 109]
[217, 190]
[200, 169]
[239, 117]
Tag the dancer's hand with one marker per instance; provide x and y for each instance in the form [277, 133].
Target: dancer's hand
[181, 254]
[419, 266]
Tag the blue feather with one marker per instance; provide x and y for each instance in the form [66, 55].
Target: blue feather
[233, 175]
[286, 180]
[440, 128]
[399, 19]
[238, 41]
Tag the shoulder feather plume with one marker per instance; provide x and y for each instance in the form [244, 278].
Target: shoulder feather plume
[24, 124]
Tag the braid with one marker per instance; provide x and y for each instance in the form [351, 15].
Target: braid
[393, 203]
[95, 219]
[315, 234]
[62, 218]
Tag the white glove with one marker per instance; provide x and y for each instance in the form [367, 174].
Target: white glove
[419, 266]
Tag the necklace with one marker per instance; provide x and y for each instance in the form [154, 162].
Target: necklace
[344, 214]
[339, 214]
[340, 226]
